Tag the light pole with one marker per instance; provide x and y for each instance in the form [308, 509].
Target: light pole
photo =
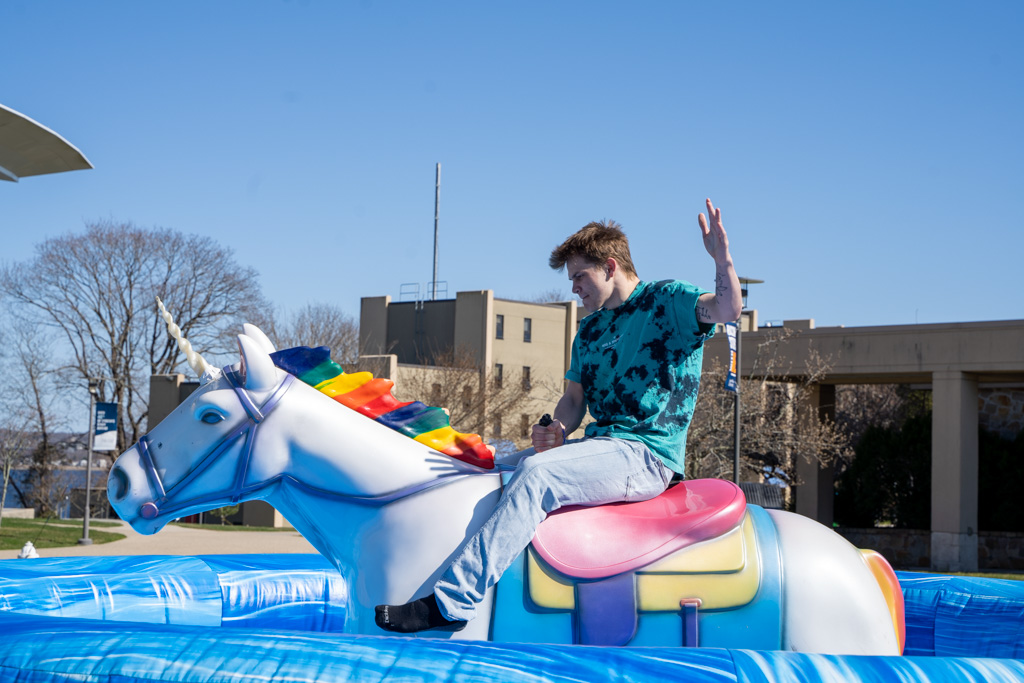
[744, 282]
[94, 388]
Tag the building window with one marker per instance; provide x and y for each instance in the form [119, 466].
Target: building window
[467, 397]
[435, 395]
[499, 327]
[498, 375]
[526, 378]
[527, 329]
[525, 423]
[497, 427]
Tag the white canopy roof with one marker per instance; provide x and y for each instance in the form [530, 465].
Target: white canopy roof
[28, 148]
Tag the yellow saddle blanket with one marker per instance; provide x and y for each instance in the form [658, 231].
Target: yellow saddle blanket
[722, 573]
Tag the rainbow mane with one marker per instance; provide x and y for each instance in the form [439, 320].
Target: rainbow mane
[372, 397]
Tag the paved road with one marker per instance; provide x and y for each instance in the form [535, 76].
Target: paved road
[175, 540]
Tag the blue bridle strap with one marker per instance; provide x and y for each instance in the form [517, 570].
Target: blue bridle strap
[255, 416]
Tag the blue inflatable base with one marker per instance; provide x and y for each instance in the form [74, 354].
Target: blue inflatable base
[275, 618]
[963, 616]
[90, 651]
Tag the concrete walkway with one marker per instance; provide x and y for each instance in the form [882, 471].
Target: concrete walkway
[176, 540]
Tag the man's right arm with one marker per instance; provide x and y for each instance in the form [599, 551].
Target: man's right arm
[726, 304]
[569, 414]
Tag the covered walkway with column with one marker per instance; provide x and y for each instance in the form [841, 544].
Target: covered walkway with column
[954, 359]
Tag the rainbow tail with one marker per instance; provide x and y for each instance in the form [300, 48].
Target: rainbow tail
[892, 591]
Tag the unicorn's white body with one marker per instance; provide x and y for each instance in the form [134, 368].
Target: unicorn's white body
[390, 512]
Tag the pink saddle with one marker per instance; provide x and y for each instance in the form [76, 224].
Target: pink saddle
[598, 542]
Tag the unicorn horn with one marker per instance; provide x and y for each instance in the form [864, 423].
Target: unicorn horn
[198, 364]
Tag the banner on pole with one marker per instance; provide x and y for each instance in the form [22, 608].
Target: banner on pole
[104, 434]
[731, 380]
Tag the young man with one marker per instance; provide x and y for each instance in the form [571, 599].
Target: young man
[636, 364]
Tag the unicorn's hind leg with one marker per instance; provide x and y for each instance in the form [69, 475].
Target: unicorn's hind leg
[832, 602]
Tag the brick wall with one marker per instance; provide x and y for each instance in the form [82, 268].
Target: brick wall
[997, 550]
[1001, 411]
[901, 547]
[1001, 550]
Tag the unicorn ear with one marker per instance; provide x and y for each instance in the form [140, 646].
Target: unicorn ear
[259, 371]
[257, 334]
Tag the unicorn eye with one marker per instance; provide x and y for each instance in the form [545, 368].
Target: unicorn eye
[211, 417]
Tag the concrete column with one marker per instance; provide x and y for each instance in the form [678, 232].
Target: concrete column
[373, 324]
[260, 513]
[474, 325]
[166, 392]
[954, 471]
[474, 332]
[383, 366]
[815, 497]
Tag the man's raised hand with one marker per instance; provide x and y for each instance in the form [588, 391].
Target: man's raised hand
[713, 232]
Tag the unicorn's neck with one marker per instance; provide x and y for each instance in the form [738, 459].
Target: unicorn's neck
[328, 446]
[394, 552]
[372, 397]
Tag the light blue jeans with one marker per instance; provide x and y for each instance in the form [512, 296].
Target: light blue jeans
[580, 472]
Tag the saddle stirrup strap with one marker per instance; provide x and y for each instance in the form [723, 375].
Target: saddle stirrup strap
[688, 611]
[606, 611]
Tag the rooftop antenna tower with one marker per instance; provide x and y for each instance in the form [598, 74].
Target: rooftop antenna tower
[437, 208]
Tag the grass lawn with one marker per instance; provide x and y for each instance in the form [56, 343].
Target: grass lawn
[992, 575]
[981, 575]
[55, 533]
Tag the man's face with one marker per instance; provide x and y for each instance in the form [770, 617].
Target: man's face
[591, 282]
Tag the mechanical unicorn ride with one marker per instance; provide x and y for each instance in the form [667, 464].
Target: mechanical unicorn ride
[694, 566]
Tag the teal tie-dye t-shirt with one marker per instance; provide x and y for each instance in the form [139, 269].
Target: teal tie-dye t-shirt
[639, 365]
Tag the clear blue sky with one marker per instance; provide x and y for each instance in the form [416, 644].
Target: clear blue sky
[868, 156]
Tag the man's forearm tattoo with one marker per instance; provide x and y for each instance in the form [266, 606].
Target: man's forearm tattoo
[721, 283]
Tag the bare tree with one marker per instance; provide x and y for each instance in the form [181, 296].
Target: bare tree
[859, 406]
[709, 441]
[14, 443]
[777, 427]
[320, 324]
[223, 513]
[551, 296]
[478, 402]
[48, 494]
[94, 291]
[32, 402]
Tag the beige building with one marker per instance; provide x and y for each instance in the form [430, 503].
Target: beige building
[972, 369]
[492, 340]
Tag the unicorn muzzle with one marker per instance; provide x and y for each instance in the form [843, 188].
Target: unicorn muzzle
[118, 482]
[129, 491]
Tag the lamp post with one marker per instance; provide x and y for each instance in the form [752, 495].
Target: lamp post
[94, 388]
[744, 283]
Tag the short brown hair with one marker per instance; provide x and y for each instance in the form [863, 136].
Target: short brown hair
[597, 242]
